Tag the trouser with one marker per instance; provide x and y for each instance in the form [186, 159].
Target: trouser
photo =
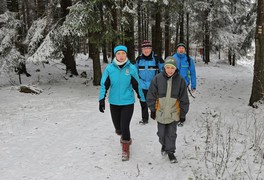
[144, 107]
[121, 117]
[167, 134]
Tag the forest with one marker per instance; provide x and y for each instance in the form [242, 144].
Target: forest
[59, 49]
[42, 30]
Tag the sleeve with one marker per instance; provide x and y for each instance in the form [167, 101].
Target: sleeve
[152, 94]
[193, 74]
[104, 83]
[135, 84]
[184, 99]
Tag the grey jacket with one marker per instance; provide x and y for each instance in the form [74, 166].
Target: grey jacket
[168, 97]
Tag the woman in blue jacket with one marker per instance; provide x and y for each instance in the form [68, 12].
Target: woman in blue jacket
[121, 78]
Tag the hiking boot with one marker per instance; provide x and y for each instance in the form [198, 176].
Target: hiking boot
[143, 122]
[163, 152]
[172, 157]
[125, 149]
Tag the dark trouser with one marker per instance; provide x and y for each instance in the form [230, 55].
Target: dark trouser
[167, 135]
[121, 117]
[144, 107]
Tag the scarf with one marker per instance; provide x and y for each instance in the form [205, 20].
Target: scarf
[119, 63]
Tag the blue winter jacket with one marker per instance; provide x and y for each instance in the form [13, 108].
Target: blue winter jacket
[148, 67]
[186, 71]
[121, 82]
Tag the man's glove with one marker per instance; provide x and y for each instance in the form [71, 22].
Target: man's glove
[102, 105]
[153, 115]
[182, 120]
[180, 123]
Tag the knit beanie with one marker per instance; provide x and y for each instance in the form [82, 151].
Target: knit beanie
[181, 44]
[170, 60]
[120, 48]
[146, 43]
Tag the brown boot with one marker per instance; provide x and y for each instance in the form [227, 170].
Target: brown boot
[125, 149]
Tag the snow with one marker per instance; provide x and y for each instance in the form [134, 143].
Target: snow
[61, 135]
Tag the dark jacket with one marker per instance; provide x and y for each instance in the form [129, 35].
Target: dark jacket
[168, 97]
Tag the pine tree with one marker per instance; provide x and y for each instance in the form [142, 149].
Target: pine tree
[257, 92]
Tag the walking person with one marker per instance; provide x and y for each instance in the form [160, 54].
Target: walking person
[186, 67]
[148, 66]
[120, 78]
[168, 101]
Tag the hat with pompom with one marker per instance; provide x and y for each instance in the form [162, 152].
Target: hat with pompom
[146, 43]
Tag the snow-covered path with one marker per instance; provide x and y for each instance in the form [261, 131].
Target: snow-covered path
[60, 134]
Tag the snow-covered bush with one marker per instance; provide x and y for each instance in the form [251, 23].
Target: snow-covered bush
[35, 35]
[10, 57]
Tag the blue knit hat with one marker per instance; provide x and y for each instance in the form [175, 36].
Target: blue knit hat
[120, 48]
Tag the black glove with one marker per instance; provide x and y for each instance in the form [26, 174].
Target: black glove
[102, 105]
[143, 104]
[182, 120]
[153, 115]
[180, 123]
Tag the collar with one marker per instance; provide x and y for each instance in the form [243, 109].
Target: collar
[119, 63]
[149, 57]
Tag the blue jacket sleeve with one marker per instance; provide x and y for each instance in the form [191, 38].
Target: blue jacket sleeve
[136, 85]
[193, 74]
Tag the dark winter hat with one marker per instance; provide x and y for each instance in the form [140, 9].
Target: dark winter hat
[120, 48]
[146, 43]
[181, 44]
[170, 60]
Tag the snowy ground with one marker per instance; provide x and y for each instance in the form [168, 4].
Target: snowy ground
[61, 135]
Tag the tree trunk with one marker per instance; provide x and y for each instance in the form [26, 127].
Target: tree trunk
[94, 54]
[145, 24]
[12, 5]
[68, 53]
[157, 31]
[140, 29]
[114, 26]
[167, 33]
[234, 59]
[104, 51]
[229, 56]
[181, 15]
[3, 7]
[187, 34]
[206, 38]
[177, 32]
[257, 92]
[41, 6]
[129, 33]
[28, 17]
[24, 17]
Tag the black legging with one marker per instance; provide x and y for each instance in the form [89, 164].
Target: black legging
[144, 107]
[121, 117]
